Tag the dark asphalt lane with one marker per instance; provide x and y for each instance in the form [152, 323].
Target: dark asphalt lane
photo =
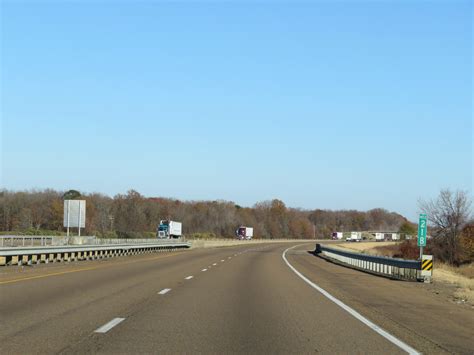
[250, 303]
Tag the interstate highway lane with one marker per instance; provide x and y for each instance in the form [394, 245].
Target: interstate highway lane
[241, 299]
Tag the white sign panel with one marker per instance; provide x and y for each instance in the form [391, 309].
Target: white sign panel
[75, 213]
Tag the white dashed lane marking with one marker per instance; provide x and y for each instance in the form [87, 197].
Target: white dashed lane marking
[164, 291]
[188, 277]
[204, 270]
[106, 327]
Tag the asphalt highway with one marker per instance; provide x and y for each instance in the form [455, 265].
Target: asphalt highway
[244, 299]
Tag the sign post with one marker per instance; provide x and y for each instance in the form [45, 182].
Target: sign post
[74, 215]
[68, 212]
[422, 233]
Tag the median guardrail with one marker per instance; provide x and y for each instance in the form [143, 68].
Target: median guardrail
[25, 240]
[45, 254]
[40, 240]
[390, 267]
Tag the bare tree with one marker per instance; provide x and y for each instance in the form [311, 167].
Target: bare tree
[448, 214]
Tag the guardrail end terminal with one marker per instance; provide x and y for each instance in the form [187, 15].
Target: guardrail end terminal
[318, 249]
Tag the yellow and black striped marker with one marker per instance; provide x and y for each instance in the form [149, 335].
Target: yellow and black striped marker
[427, 264]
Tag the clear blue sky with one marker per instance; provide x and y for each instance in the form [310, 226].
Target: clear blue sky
[338, 105]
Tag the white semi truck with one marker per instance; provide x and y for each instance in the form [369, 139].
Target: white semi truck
[337, 235]
[169, 229]
[355, 237]
[244, 233]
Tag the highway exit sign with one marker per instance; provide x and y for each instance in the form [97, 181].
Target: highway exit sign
[422, 230]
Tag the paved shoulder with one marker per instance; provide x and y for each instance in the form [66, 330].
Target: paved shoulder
[405, 309]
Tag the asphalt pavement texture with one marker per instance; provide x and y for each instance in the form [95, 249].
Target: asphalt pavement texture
[242, 299]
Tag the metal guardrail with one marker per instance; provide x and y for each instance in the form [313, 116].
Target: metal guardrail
[391, 267]
[26, 240]
[37, 240]
[31, 254]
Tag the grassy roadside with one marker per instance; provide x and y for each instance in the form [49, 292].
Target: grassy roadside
[462, 278]
[371, 248]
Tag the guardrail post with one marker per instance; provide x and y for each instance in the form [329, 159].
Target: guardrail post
[14, 260]
[25, 259]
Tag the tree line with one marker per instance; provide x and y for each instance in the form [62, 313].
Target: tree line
[134, 215]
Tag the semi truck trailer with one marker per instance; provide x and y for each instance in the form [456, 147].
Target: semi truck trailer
[169, 229]
[244, 233]
[355, 237]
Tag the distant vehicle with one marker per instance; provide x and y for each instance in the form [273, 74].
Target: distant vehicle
[395, 236]
[168, 229]
[355, 237]
[244, 233]
[379, 237]
[337, 235]
[382, 236]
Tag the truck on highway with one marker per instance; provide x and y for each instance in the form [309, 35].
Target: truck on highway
[386, 236]
[336, 235]
[244, 233]
[379, 237]
[355, 237]
[168, 229]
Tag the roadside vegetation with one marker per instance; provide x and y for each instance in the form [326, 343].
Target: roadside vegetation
[133, 215]
[461, 277]
[451, 243]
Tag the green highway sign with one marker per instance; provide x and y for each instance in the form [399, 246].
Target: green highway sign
[422, 230]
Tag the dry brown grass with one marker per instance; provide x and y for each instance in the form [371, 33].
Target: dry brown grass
[462, 277]
[371, 248]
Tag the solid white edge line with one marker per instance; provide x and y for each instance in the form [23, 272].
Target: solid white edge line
[106, 327]
[164, 291]
[351, 311]
[188, 277]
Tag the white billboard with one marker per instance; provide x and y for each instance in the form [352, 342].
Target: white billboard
[75, 213]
